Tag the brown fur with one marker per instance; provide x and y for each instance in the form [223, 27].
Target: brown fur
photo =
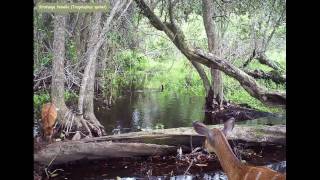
[232, 166]
[48, 119]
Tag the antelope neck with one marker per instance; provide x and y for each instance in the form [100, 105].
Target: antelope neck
[227, 158]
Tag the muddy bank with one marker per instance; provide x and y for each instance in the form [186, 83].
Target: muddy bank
[241, 112]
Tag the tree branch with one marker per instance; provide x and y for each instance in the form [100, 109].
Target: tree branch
[272, 75]
[263, 59]
[274, 29]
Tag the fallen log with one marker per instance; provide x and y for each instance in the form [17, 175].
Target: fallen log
[148, 143]
[181, 136]
[67, 151]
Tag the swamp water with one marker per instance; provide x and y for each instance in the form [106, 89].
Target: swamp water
[156, 110]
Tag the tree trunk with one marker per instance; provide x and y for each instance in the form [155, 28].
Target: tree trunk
[217, 86]
[211, 31]
[88, 102]
[101, 67]
[84, 33]
[77, 34]
[57, 87]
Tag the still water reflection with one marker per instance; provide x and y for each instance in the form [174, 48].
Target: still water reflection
[150, 110]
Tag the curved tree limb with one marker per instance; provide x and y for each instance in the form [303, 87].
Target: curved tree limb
[272, 75]
[208, 59]
[246, 81]
[263, 59]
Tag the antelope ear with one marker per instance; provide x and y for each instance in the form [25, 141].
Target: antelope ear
[228, 126]
[200, 128]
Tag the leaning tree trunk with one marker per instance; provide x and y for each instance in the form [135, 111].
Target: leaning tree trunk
[91, 56]
[96, 40]
[88, 102]
[211, 31]
[85, 103]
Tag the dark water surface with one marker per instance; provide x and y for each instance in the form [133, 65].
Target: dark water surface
[151, 110]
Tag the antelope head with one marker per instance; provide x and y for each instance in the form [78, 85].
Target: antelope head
[214, 137]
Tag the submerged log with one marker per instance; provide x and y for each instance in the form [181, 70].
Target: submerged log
[148, 143]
